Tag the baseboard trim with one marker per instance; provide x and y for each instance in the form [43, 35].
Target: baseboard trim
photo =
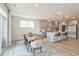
[16, 40]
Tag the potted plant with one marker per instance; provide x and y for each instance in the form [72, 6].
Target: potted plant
[30, 34]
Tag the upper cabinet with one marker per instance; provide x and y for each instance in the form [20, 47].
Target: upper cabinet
[73, 22]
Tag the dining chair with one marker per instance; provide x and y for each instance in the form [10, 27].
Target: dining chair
[57, 37]
[37, 44]
[64, 35]
[26, 42]
[25, 39]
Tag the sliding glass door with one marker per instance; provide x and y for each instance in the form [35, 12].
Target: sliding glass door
[3, 33]
[0, 34]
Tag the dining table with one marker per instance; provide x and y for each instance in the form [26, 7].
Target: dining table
[34, 37]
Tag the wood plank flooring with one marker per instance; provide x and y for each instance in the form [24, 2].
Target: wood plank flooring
[68, 47]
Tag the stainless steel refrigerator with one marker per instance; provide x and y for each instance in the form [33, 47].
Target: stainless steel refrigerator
[72, 31]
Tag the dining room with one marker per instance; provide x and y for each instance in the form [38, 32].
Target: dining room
[41, 29]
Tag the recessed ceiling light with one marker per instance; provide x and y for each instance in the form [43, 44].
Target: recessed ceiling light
[36, 5]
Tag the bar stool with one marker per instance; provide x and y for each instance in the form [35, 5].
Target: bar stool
[57, 37]
[65, 34]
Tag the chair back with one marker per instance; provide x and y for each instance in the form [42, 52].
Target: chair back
[25, 38]
[58, 34]
[36, 43]
[65, 33]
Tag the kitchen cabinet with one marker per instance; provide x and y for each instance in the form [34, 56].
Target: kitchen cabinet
[50, 36]
[72, 31]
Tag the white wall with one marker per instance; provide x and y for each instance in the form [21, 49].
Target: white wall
[17, 31]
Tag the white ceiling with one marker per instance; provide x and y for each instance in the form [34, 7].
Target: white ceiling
[45, 10]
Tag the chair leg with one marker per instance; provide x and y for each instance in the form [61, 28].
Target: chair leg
[40, 49]
[27, 47]
[31, 48]
[34, 51]
[66, 37]
[57, 39]
[54, 37]
[61, 38]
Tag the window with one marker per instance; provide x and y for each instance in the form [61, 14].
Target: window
[26, 24]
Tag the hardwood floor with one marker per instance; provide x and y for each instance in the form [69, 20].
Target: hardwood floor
[68, 47]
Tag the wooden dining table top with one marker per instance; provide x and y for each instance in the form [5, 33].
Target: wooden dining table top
[34, 37]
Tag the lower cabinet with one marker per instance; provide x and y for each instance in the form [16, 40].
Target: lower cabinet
[50, 36]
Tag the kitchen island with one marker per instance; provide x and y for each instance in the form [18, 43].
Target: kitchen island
[51, 36]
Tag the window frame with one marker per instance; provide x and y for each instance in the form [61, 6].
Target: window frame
[27, 24]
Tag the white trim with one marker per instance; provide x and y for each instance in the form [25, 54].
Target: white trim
[16, 39]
